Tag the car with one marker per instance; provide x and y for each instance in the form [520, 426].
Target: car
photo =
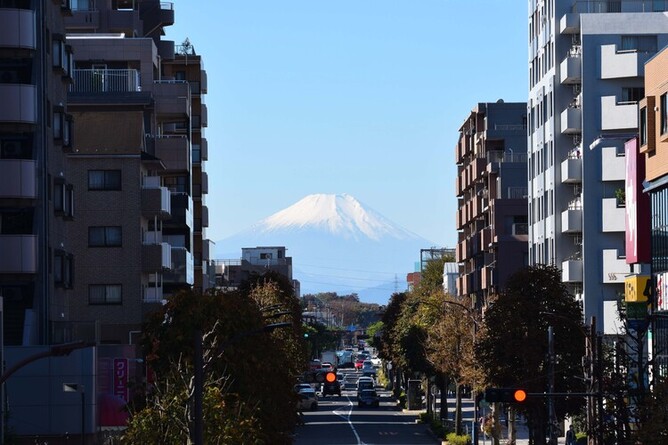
[368, 397]
[376, 362]
[307, 400]
[365, 383]
[302, 386]
[326, 367]
[358, 363]
[331, 388]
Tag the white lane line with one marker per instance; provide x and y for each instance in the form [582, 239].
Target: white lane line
[346, 417]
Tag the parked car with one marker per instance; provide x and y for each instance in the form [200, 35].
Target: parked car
[368, 397]
[307, 400]
[331, 388]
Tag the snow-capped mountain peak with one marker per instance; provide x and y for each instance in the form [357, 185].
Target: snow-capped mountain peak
[339, 214]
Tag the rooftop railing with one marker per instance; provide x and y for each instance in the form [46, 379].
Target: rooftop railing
[601, 6]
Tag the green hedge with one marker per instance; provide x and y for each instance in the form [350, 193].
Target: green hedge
[455, 439]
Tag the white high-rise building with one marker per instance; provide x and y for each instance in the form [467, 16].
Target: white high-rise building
[586, 68]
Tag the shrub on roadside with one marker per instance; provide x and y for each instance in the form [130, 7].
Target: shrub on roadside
[455, 439]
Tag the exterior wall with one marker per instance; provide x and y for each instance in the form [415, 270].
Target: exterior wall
[655, 149]
[591, 253]
[491, 190]
[31, 295]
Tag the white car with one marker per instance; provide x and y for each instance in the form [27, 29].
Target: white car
[376, 362]
[307, 400]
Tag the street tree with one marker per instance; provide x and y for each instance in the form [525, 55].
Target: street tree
[513, 348]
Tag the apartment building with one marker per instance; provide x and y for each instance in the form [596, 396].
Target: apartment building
[586, 68]
[36, 251]
[491, 190]
[653, 145]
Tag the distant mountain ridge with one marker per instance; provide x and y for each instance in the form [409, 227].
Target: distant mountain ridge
[337, 244]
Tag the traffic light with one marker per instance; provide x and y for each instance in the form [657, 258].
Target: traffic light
[505, 395]
[319, 377]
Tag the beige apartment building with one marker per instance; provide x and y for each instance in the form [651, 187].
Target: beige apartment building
[653, 145]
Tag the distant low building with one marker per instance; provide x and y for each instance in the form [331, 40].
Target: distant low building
[254, 260]
[450, 275]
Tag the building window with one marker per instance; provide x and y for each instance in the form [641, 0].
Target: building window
[197, 154]
[63, 266]
[104, 180]
[639, 43]
[105, 294]
[643, 126]
[63, 198]
[109, 236]
[633, 94]
[62, 127]
[177, 184]
[663, 105]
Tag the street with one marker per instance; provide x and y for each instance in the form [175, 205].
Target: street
[339, 420]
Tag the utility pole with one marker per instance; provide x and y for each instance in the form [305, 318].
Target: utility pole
[552, 418]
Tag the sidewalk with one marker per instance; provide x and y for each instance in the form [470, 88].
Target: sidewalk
[522, 432]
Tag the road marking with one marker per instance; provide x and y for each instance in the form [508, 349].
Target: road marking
[346, 417]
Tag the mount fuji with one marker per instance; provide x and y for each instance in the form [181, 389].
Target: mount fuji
[337, 244]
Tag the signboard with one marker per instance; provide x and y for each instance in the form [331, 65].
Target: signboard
[121, 378]
[637, 207]
[635, 288]
[661, 291]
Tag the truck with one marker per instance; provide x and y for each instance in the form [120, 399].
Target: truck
[329, 356]
[345, 359]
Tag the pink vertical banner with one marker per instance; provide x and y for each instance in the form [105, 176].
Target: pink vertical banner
[637, 207]
[121, 378]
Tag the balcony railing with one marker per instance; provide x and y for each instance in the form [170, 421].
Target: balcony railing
[105, 81]
[505, 156]
[601, 6]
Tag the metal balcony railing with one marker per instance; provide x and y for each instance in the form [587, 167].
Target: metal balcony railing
[602, 6]
[105, 81]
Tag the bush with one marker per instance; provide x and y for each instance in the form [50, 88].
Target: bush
[402, 400]
[454, 439]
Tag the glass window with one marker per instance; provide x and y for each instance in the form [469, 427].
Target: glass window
[640, 43]
[634, 94]
[104, 180]
[643, 126]
[664, 113]
[110, 236]
[105, 294]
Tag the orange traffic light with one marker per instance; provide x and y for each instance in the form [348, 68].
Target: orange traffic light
[330, 377]
[520, 395]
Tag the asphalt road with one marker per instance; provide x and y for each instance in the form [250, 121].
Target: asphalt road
[340, 421]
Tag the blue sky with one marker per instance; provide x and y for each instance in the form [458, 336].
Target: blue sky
[363, 97]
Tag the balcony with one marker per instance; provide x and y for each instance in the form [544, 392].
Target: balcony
[156, 201]
[183, 267]
[84, 20]
[205, 183]
[204, 149]
[173, 151]
[615, 268]
[166, 49]
[485, 238]
[204, 82]
[569, 23]
[182, 211]
[19, 178]
[23, 257]
[105, 81]
[156, 257]
[571, 171]
[571, 69]
[204, 116]
[571, 121]
[622, 64]
[487, 277]
[19, 103]
[153, 294]
[613, 216]
[613, 164]
[123, 20]
[571, 270]
[172, 99]
[207, 249]
[618, 116]
[18, 29]
[571, 221]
